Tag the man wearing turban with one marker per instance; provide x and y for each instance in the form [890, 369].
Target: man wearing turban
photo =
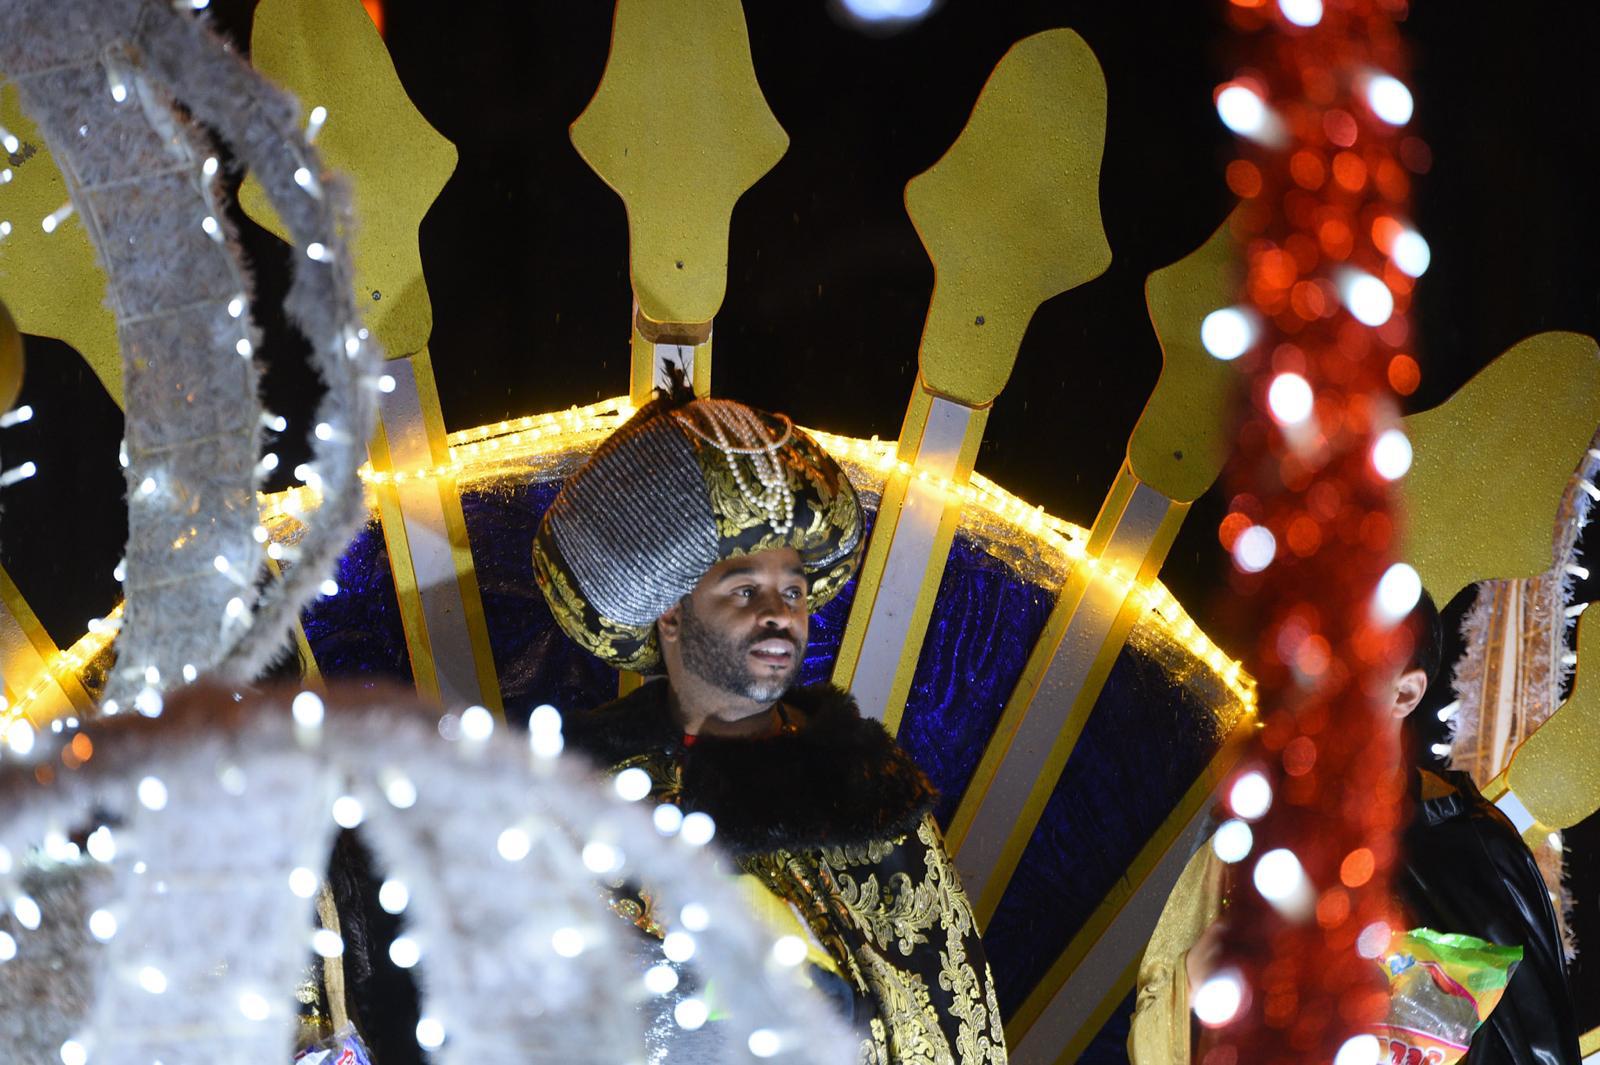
[695, 543]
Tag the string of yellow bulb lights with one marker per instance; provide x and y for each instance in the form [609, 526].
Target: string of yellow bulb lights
[486, 450]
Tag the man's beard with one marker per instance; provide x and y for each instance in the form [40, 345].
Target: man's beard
[724, 661]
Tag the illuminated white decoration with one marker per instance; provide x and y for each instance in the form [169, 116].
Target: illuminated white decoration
[140, 172]
[213, 923]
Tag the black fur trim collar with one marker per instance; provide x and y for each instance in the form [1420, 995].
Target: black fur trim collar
[839, 781]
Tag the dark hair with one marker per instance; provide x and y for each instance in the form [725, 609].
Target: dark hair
[1428, 634]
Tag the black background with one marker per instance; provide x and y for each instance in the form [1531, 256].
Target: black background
[526, 252]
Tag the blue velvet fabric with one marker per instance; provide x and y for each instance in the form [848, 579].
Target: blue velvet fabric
[1110, 1044]
[1145, 743]
[985, 622]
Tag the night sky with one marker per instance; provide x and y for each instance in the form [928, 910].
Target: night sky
[526, 250]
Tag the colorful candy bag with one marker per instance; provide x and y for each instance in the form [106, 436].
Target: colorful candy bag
[344, 1047]
[1441, 988]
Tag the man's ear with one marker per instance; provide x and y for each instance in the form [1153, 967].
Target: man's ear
[1409, 689]
[669, 624]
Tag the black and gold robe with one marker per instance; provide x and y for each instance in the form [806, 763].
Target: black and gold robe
[832, 818]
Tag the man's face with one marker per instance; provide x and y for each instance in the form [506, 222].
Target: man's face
[743, 628]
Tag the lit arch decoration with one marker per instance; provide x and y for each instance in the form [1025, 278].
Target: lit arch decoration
[437, 503]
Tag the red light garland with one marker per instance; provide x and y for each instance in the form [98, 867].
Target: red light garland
[1322, 335]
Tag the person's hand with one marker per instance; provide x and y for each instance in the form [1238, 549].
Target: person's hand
[1201, 961]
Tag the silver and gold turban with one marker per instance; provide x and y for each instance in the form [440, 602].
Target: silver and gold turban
[676, 489]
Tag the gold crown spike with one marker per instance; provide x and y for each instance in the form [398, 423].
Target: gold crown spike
[50, 279]
[10, 360]
[679, 129]
[1555, 774]
[1010, 216]
[1490, 464]
[332, 57]
[1180, 442]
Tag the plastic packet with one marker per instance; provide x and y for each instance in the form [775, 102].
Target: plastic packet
[343, 1047]
[1441, 988]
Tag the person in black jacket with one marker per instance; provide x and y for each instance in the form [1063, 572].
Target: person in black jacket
[1464, 869]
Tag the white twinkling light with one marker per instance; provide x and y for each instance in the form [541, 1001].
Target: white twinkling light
[303, 882]
[1251, 796]
[386, 383]
[789, 951]
[513, 844]
[153, 980]
[236, 307]
[1374, 939]
[695, 917]
[315, 250]
[302, 177]
[698, 828]
[1391, 454]
[1448, 710]
[1227, 333]
[691, 1013]
[8, 947]
[1554, 841]
[22, 414]
[1254, 549]
[1278, 875]
[209, 224]
[347, 811]
[244, 347]
[600, 857]
[400, 791]
[1369, 299]
[1411, 253]
[147, 486]
[101, 845]
[567, 942]
[1233, 841]
[764, 1043]
[26, 911]
[668, 819]
[221, 564]
[276, 422]
[394, 896]
[235, 608]
[232, 779]
[659, 979]
[9, 142]
[477, 724]
[329, 588]
[190, 673]
[210, 167]
[1440, 750]
[103, 925]
[405, 952]
[323, 431]
[1301, 12]
[1218, 999]
[148, 702]
[430, 1034]
[1242, 111]
[1398, 591]
[327, 943]
[19, 737]
[1359, 1050]
[308, 709]
[1290, 399]
[74, 1053]
[678, 946]
[632, 784]
[153, 793]
[253, 1006]
[1389, 99]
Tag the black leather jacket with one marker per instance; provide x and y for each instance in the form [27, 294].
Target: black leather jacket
[1467, 870]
